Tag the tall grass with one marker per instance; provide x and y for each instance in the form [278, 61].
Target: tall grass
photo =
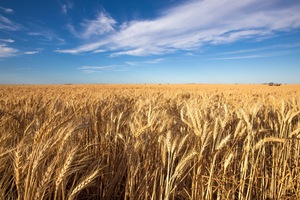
[149, 142]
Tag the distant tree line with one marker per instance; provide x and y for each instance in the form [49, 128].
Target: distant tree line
[272, 84]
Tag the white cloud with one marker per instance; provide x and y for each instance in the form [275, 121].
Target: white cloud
[251, 56]
[7, 40]
[190, 26]
[98, 69]
[70, 51]
[242, 57]
[265, 48]
[30, 52]
[237, 35]
[72, 30]
[141, 51]
[7, 24]
[102, 24]
[92, 69]
[147, 62]
[99, 51]
[7, 10]
[6, 51]
[85, 48]
[48, 34]
[155, 61]
[132, 63]
[66, 7]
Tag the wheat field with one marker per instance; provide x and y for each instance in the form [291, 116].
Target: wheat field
[149, 142]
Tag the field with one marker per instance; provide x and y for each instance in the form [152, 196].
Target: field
[149, 142]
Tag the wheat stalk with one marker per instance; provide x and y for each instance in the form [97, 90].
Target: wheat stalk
[269, 139]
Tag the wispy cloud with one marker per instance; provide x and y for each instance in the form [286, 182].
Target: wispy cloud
[241, 57]
[47, 35]
[190, 26]
[93, 69]
[139, 51]
[98, 67]
[7, 40]
[132, 63]
[30, 52]
[99, 51]
[43, 34]
[6, 51]
[7, 10]
[65, 7]
[147, 62]
[155, 61]
[273, 47]
[251, 56]
[102, 24]
[8, 25]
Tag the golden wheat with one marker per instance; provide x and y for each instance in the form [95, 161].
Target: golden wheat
[149, 142]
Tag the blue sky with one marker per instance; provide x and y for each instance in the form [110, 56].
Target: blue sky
[149, 41]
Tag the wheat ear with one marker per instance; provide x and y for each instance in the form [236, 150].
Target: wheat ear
[64, 169]
[83, 184]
